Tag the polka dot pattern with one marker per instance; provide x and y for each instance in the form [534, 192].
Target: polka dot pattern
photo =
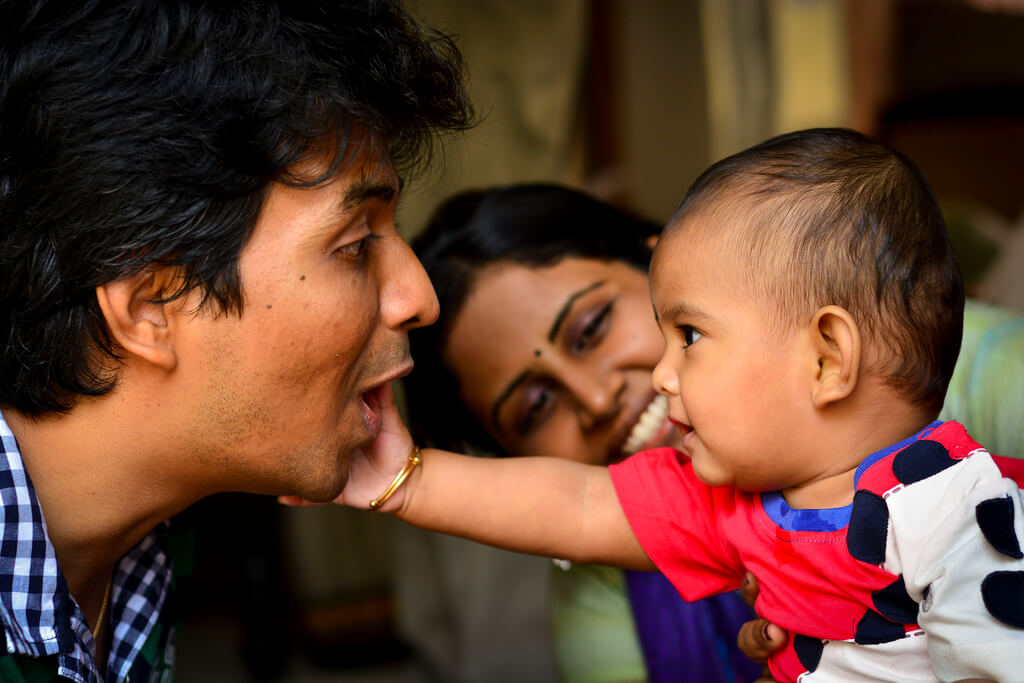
[874, 629]
[894, 603]
[1003, 593]
[869, 527]
[995, 517]
[808, 650]
[920, 460]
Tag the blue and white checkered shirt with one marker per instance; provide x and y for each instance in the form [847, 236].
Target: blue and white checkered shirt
[38, 614]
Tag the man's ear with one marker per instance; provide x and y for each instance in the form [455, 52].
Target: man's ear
[141, 325]
[836, 342]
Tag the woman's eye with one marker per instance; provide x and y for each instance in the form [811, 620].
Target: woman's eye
[538, 405]
[690, 335]
[594, 329]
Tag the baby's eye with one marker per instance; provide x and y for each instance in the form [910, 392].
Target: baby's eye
[690, 335]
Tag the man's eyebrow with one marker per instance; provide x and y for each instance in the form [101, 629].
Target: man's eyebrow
[364, 190]
[567, 306]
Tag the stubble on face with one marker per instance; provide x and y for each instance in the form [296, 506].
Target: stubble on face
[279, 402]
[235, 422]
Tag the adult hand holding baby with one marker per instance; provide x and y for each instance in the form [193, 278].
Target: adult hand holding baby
[759, 637]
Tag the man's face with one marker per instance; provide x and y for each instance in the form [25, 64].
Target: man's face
[286, 391]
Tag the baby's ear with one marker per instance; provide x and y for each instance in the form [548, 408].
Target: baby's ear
[137, 320]
[837, 345]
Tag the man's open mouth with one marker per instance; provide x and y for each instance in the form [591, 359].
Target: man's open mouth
[371, 411]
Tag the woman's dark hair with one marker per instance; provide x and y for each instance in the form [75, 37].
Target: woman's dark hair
[533, 225]
[146, 132]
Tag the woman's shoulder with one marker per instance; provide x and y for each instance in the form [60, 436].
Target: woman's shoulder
[986, 392]
[592, 625]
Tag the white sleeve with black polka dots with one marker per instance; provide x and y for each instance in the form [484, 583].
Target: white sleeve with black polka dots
[957, 537]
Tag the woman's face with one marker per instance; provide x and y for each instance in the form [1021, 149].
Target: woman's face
[557, 360]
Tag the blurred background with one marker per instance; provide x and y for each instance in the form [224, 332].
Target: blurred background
[629, 100]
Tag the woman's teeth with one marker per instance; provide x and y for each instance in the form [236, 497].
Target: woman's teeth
[651, 419]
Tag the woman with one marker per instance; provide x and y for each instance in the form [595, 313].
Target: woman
[545, 346]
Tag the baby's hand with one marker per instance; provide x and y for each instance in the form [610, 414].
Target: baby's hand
[373, 468]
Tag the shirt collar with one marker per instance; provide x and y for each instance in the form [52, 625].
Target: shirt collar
[830, 519]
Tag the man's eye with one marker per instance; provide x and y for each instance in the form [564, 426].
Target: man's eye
[356, 250]
[690, 335]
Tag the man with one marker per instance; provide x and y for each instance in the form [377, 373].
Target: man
[203, 287]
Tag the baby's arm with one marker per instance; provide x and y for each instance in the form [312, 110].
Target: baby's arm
[543, 506]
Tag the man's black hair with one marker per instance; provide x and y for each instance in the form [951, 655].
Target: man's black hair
[143, 133]
[532, 225]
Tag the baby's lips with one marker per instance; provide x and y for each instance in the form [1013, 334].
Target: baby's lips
[682, 427]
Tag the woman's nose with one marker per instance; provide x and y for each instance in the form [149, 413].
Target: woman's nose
[597, 395]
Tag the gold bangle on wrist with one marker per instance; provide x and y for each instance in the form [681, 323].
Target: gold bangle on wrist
[410, 465]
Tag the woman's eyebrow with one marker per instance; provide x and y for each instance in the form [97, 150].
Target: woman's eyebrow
[567, 306]
[563, 311]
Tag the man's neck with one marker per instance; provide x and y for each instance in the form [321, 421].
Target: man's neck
[99, 484]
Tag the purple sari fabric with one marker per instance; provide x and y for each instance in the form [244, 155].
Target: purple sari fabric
[688, 641]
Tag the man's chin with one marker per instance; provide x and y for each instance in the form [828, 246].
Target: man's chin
[323, 491]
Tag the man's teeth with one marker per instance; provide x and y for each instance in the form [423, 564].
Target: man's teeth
[647, 425]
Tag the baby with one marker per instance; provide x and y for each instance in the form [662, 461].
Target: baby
[812, 312]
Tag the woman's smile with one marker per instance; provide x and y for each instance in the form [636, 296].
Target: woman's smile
[558, 360]
[650, 429]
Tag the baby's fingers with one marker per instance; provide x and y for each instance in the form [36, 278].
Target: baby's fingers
[296, 501]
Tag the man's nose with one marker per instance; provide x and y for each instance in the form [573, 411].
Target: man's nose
[408, 299]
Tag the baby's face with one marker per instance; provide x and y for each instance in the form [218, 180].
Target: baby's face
[737, 387]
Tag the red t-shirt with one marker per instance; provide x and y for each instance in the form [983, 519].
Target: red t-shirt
[704, 539]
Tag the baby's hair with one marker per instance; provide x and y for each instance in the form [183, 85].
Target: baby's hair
[829, 216]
